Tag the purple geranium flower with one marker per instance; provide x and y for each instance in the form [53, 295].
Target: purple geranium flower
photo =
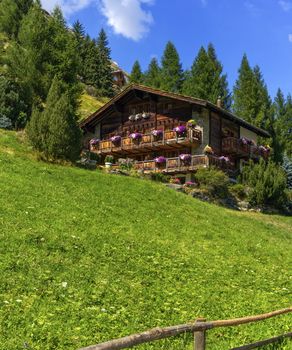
[136, 136]
[116, 139]
[181, 129]
[160, 160]
[157, 133]
[246, 141]
[94, 142]
[185, 157]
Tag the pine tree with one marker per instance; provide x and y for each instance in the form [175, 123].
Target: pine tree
[91, 62]
[206, 80]
[55, 131]
[64, 138]
[28, 59]
[171, 70]
[250, 95]
[153, 74]
[285, 126]
[105, 84]
[11, 14]
[242, 98]
[136, 74]
[80, 38]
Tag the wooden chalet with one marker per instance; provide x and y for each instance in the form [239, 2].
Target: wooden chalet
[153, 128]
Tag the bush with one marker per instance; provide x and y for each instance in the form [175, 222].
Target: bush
[5, 123]
[266, 183]
[214, 181]
[238, 190]
[159, 177]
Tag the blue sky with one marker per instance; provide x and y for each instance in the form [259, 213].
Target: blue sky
[139, 29]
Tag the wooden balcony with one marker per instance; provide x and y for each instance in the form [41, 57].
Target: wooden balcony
[176, 165]
[233, 146]
[169, 141]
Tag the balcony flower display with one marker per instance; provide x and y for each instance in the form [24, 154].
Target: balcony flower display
[160, 160]
[116, 140]
[132, 117]
[136, 136]
[94, 143]
[180, 130]
[191, 123]
[138, 116]
[157, 134]
[208, 150]
[185, 158]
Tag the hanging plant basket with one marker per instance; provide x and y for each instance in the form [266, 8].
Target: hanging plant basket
[208, 150]
[160, 161]
[192, 123]
[94, 143]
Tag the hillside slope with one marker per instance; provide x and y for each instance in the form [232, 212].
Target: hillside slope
[86, 257]
[90, 104]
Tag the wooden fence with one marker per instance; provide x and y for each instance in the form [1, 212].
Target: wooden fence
[199, 328]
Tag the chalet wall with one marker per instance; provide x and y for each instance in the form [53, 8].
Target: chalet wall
[203, 124]
[248, 134]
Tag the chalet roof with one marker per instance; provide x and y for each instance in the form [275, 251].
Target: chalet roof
[98, 115]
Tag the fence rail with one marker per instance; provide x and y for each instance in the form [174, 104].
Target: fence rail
[199, 328]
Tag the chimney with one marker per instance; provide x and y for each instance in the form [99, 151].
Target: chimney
[219, 102]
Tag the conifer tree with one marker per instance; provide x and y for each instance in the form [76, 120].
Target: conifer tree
[80, 38]
[171, 70]
[105, 83]
[206, 80]
[136, 74]
[11, 14]
[27, 59]
[242, 98]
[55, 131]
[64, 137]
[250, 95]
[153, 74]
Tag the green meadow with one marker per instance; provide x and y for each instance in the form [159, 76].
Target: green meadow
[86, 257]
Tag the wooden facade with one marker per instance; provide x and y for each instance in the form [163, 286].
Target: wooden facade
[142, 110]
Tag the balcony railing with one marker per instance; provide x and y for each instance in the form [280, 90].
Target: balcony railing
[168, 141]
[176, 165]
[236, 147]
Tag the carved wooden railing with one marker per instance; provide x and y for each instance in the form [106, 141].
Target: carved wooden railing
[199, 329]
[232, 145]
[176, 164]
[148, 141]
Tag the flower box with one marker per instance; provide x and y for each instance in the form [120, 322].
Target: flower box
[192, 123]
[116, 140]
[160, 161]
[157, 134]
[180, 130]
[94, 143]
[186, 158]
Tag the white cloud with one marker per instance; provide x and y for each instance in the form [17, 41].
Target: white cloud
[290, 37]
[68, 6]
[127, 17]
[286, 5]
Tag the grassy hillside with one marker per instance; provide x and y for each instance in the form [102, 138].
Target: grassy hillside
[86, 257]
[90, 104]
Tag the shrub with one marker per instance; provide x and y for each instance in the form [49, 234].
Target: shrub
[5, 123]
[238, 190]
[213, 180]
[266, 183]
[109, 159]
[159, 177]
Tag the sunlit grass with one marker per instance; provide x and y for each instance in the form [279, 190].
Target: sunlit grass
[86, 257]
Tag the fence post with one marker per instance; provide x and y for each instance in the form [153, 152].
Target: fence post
[200, 337]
